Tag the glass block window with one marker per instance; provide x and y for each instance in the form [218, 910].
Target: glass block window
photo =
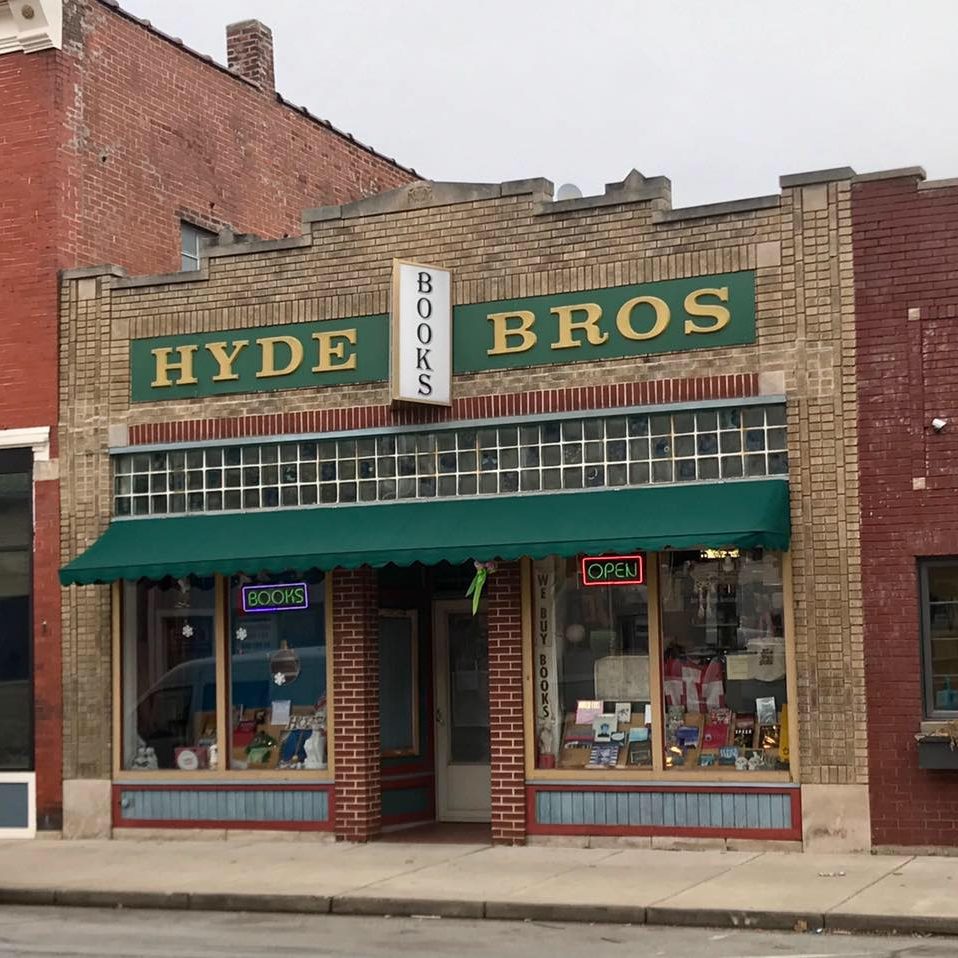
[589, 452]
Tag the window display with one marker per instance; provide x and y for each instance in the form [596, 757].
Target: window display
[169, 675]
[723, 669]
[277, 637]
[591, 658]
[275, 713]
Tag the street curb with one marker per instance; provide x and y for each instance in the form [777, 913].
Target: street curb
[87, 898]
[439, 907]
[27, 896]
[727, 918]
[559, 911]
[892, 924]
[494, 910]
[244, 901]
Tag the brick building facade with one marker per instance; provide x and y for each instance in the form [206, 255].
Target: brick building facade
[906, 289]
[114, 135]
[725, 467]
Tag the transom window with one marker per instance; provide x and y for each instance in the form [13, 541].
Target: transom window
[633, 449]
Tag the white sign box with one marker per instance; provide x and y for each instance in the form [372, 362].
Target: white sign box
[421, 334]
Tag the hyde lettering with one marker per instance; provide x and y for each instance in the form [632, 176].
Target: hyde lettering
[275, 356]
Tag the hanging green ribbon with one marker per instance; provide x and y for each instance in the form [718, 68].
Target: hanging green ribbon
[478, 583]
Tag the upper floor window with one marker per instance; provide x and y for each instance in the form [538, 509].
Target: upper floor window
[939, 619]
[191, 238]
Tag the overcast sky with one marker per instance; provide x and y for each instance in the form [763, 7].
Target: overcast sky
[722, 97]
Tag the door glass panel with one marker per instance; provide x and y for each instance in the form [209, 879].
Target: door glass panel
[468, 689]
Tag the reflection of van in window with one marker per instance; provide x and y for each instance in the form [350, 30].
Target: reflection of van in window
[173, 712]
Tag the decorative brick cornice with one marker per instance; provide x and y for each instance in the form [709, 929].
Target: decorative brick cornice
[572, 399]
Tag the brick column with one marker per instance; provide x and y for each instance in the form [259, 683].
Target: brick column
[47, 650]
[505, 705]
[356, 704]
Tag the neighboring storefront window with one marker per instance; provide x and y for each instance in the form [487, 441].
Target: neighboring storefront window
[724, 663]
[277, 637]
[592, 671]
[939, 607]
[16, 661]
[169, 675]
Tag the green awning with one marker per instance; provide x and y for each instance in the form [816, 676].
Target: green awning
[744, 514]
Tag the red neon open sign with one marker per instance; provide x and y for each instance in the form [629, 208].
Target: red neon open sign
[613, 570]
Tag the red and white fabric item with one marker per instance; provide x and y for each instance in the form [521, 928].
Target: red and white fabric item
[695, 686]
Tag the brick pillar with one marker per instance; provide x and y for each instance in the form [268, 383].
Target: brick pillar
[47, 651]
[505, 705]
[356, 704]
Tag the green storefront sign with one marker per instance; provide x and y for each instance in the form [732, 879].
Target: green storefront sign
[669, 316]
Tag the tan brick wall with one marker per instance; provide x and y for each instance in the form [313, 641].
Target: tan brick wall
[500, 248]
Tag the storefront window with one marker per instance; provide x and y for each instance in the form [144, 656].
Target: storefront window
[277, 637]
[592, 671]
[169, 675]
[724, 663]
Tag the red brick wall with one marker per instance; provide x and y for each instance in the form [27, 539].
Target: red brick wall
[355, 644]
[29, 135]
[159, 134]
[506, 729]
[476, 407]
[106, 146]
[906, 258]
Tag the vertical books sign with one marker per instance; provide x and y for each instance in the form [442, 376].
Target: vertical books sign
[421, 334]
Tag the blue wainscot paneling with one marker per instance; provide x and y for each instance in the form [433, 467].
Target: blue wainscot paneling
[730, 812]
[259, 805]
[14, 805]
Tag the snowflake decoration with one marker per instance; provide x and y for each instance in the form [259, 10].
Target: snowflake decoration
[279, 678]
[188, 631]
[241, 634]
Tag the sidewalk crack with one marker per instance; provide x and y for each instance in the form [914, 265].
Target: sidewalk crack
[702, 881]
[871, 884]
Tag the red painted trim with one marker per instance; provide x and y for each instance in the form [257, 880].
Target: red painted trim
[221, 787]
[397, 771]
[414, 781]
[761, 834]
[280, 825]
[571, 399]
[717, 788]
[409, 818]
[274, 825]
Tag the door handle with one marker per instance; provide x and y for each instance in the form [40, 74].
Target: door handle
[439, 719]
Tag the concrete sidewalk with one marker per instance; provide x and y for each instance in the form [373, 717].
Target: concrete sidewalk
[771, 890]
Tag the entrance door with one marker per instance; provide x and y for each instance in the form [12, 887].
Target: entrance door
[461, 669]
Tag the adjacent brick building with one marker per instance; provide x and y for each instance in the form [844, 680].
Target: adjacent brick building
[906, 292]
[119, 144]
[246, 495]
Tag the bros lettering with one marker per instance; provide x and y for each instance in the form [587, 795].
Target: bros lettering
[640, 318]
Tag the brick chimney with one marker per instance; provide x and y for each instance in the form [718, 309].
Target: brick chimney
[249, 52]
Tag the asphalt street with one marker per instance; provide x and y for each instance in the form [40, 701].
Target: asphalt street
[70, 932]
